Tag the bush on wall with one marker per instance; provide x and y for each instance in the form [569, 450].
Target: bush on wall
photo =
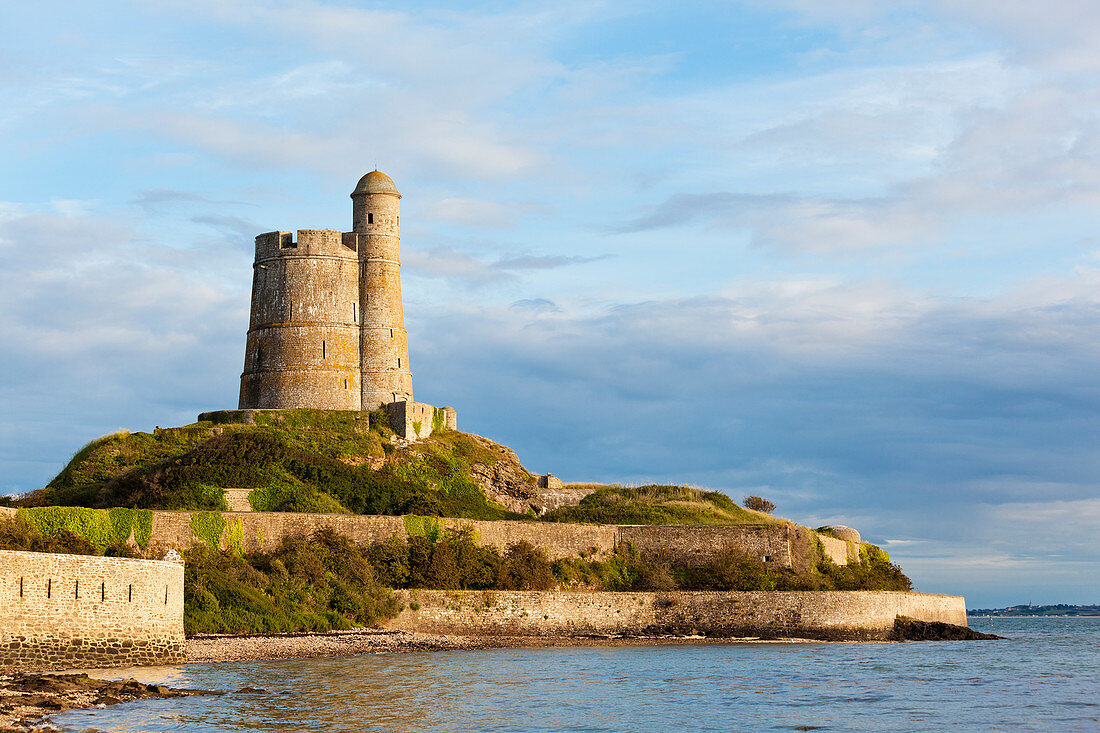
[103, 528]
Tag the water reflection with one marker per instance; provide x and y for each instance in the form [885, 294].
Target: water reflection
[1037, 681]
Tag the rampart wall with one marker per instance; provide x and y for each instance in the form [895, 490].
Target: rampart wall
[265, 530]
[851, 615]
[60, 611]
[778, 545]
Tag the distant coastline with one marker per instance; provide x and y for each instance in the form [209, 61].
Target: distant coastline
[1058, 610]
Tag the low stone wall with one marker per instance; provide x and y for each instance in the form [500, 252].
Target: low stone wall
[61, 611]
[854, 615]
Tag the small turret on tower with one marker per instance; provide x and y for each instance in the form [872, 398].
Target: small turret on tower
[383, 346]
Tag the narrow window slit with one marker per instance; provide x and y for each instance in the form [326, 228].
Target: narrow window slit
[130, 594]
[323, 350]
[49, 587]
[103, 591]
[370, 218]
[20, 587]
[166, 595]
[76, 590]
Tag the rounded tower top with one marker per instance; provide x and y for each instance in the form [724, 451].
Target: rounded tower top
[375, 182]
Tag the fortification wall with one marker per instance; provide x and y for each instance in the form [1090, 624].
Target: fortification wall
[696, 544]
[415, 420]
[61, 611]
[839, 551]
[778, 545]
[815, 615]
[262, 531]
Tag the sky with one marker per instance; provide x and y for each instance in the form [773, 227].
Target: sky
[842, 255]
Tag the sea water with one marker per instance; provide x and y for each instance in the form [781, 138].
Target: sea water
[1044, 677]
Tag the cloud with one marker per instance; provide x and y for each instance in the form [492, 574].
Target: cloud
[939, 425]
[236, 228]
[472, 212]
[794, 223]
[155, 199]
[96, 319]
[536, 305]
[467, 270]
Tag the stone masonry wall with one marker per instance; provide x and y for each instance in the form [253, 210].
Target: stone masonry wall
[413, 420]
[779, 545]
[264, 530]
[815, 615]
[839, 551]
[59, 611]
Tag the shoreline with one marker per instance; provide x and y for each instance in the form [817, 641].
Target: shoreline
[246, 648]
[24, 708]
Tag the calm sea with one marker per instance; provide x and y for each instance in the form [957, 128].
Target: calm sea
[1045, 677]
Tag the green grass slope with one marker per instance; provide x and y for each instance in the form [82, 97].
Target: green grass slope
[292, 460]
[657, 505]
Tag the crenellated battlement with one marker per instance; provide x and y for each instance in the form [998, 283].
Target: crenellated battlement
[310, 242]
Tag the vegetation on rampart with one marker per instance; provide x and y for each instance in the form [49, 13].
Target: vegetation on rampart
[657, 505]
[292, 460]
[327, 582]
[319, 584]
[103, 528]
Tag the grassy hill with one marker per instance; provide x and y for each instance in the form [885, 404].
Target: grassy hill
[345, 462]
[657, 505]
[293, 460]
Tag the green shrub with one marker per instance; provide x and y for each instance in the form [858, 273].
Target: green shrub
[759, 504]
[319, 584]
[731, 569]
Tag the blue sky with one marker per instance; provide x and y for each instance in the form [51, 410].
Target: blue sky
[845, 257]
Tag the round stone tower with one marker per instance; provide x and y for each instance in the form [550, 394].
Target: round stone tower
[383, 345]
[303, 336]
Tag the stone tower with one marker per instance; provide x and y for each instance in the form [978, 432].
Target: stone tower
[327, 329]
[303, 336]
[383, 342]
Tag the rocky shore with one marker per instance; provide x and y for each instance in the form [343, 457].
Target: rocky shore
[26, 698]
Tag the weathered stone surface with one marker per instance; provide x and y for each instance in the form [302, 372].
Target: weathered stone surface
[815, 615]
[327, 329]
[77, 610]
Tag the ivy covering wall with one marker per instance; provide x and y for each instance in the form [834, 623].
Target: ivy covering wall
[102, 527]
